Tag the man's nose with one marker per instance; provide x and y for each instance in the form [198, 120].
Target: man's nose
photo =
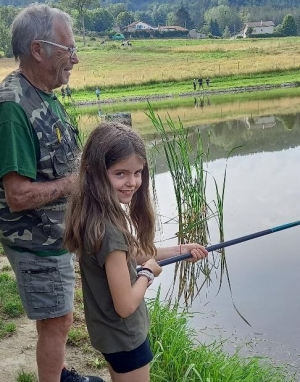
[75, 59]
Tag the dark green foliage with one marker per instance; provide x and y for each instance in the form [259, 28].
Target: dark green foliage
[288, 27]
[183, 18]
[214, 27]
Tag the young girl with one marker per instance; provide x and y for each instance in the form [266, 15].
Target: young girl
[110, 226]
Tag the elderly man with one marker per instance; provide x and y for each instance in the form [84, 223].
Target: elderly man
[38, 149]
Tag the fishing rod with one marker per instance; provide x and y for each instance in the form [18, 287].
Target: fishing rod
[228, 243]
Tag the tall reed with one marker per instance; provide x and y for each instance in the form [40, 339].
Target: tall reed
[186, 164]
[189, 182]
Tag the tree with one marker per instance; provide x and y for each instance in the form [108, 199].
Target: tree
[100, 20]
[144, 16]
[297, 22]
[288, 26]
[224, 15]
[249, 32]
[182, 18]
[7, 14]
[81, 6]
[115, 9]
[226, 33]
[160, 14]
[124, 19]
[214, 28]
[5, 40]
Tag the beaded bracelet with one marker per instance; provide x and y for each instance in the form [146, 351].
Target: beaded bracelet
[147, 273]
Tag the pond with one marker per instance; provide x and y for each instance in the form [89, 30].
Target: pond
[262, 192]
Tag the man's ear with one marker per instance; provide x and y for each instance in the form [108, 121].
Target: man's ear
[37, 50]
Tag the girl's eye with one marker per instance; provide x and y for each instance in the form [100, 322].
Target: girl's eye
[120, 173]
[138, 172]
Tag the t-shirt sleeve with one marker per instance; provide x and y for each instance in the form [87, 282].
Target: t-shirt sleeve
[18, 143]
[113, 240]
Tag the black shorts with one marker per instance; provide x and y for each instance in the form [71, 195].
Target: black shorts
[126, 361]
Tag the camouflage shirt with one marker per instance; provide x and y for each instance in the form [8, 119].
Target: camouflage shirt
[39, 230]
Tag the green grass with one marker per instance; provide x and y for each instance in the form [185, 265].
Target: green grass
[6, 328]
[26, 377]
[179, 357]
[159, 67]
[177, 88]
[10, 303]
[77, 336]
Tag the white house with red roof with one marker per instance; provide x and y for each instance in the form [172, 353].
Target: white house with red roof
[258, 27]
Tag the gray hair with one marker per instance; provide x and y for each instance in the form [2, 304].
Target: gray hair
[35, 22]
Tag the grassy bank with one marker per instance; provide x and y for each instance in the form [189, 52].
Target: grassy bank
[178, 357]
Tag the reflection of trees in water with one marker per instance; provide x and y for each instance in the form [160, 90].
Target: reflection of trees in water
[274, 134]
[224, 136]
[290, 121]
[270, 135]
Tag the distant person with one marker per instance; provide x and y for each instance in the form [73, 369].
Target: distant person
[114, 173]
[68, 92]
[207, 82]
[195, 84]
[200, 83]
[97, 93]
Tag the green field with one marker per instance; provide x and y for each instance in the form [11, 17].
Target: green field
[159, 67]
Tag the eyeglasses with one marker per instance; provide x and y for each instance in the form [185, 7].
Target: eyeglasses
[72, 50]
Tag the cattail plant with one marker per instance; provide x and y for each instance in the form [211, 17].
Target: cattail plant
[189, 182]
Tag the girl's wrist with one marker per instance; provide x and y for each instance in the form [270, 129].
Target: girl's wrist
[146, 272]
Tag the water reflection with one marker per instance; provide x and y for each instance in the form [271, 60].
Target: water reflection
[283, 103]
[262, 191]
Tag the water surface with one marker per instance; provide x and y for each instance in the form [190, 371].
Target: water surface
[262, 192]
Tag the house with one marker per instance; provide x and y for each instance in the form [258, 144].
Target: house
[137, 26]
[194, 34]
[171, 28]
[116, 29]
[260, 27]
[263, 122]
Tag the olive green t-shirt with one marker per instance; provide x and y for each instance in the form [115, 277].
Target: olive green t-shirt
[110, 333]
[20, 149]
[19, 146]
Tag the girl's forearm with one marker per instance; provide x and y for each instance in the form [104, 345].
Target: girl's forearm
[162, 253]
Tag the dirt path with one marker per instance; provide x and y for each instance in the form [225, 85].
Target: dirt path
[17, 352]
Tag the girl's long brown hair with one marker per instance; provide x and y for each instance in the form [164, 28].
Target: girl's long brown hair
[94, 200]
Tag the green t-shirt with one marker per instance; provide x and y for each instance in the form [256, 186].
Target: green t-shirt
[19, 146]
[110, 333]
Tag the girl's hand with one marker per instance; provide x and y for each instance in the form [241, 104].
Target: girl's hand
[155, 268]
[197, 251]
